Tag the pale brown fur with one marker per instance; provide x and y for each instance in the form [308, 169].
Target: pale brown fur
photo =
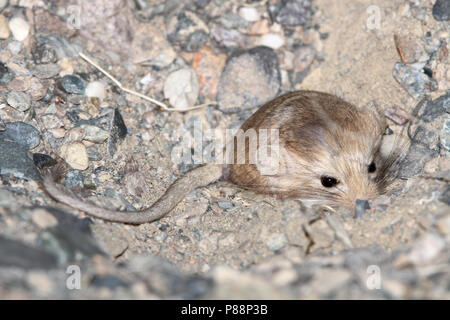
[320, 134]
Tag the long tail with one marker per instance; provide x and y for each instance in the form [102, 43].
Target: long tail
[197, 177]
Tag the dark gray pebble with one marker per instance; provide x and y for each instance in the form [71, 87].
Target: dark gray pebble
[428, 110]
[74, 178]
[117, 132]
[23, 133]
[5, 75]
[295, 12]
[15, 160]
[417, 157]
[59, 46]
[195, 41]
[415, 82]
[73, 84]
[360, 207]
[441, 10]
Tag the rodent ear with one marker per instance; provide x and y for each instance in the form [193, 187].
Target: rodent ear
[376, 113]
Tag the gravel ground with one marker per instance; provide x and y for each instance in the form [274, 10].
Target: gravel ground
[220, 242]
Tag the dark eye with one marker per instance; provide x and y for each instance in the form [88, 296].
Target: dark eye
[328, 182]
[372, 167]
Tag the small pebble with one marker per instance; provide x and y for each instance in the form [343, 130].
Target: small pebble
[295, 12]
[187, 30]
[37, 89]
[19, 100]
[397, 115]
[19, 28]
[117, 132]
[228, 38]
[73, 84]
[260, 27]
[303, 57]
[74, 178]
[15, 160]
[150, 46]
[441, 10]
[430, 110]
[408, 48]
[75, 155]
[96, 89]
[276, 241]
[232, 20]
[55, 47]
[23, 133]
[249, 14]
[272, 40]
[15, 47]
[223, 204]
[249, 79]
[416, 83]
[181, 88]
[5, 75]
[19, 83]
[4, 28]
[46, 71]
[18, 69]
[195, 41]
[208, 66]
[95, 134]
[146, 80]
[51, 121]
[360, 207]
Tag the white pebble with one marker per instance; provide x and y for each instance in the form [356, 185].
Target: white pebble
[276, 241]
[19, 28]
[15, 47]
[249, 14]
[147, 79]
[96, 89]
[181, 88]
[75, 155]
[272, 40]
